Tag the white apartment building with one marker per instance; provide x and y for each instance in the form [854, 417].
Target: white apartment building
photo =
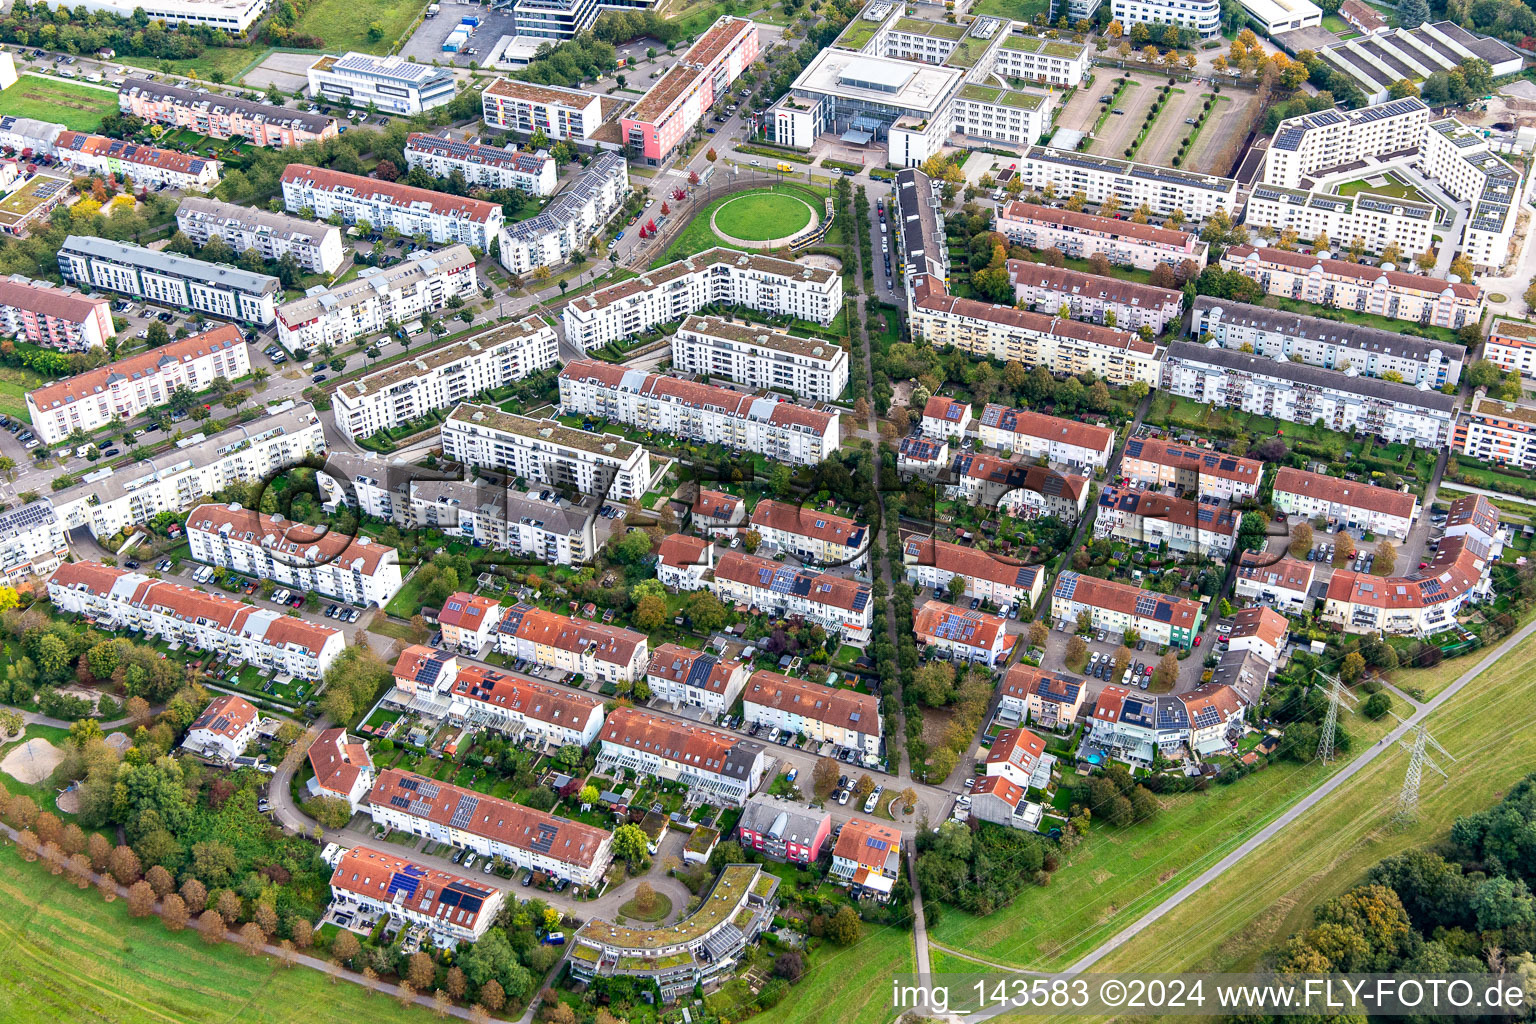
[1495, 431]
[443, 219]
[107, 501]
[49, 316]
[1034, 339]
[1200, 16]
[480, 696]
[139, 166]
[827, 714]
[440, 378]
[168, 279]
[837, 604]
[684, 562]
[32, 542]
[1117, 607]
[1163, 189]
[1190, 471]
[1016, 488]
[488, 166]
[224, 729]
[311, 559]
[421, 284]
[609, 653]
[1344, 504]
[1034, 435]
[553, 531]
[714, 276]
[1276, 16]
[922, 457]
[999, 115]
[1305, 148]
[760, 357]
[1298, 393]
[1282, 583]
[547, 452]
[1331, 344]
[1376, 220]
[694, 679]
[491, 827]
[715, 766]
[1511, 344]
[316, 246]
[128, 387]
[392, 84]
[204, 621]
[783, 430]
[342, 768]
[933, 563]
[448, 908]
[1130, 304]
[570, 221]
[1342, 285]
[1461, 159]
[1081, 235]
[810, 534]
[946, 419]
[525, 107]
[1206, 527]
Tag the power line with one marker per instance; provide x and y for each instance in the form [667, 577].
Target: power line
[1337, 695]
[1408, 797]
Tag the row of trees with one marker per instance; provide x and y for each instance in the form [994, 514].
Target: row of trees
[84, 32]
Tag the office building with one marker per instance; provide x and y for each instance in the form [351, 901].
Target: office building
[443, 219]
[43, 314]
[1081, 235]
[391, 84]
[547, 452]
[222, 117]
[169, 280]
[760, 357]
[482, 165]
[1277, 16]
[1376, 61]
[317, 247]
[656, 125]
[423, 283]
[570, 221]
[233, 16]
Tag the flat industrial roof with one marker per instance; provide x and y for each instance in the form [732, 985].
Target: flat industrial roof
[918, 87]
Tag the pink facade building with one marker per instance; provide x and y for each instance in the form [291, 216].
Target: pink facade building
[54, 317]
[222, 117]
[784, 832]
[656, 125]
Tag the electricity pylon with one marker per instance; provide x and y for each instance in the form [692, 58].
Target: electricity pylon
[1337, 695]
[1419, 758]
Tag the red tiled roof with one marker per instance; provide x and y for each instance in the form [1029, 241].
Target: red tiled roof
[92, 382]
[370, 873]
[668, 738]
[715, 504]
[1018, 747]
[985, 628]
[1265, 623]
[566, 708]
[226, 715]
[1110, 703]
[338, 763]
[1218, 697]
[1207, 463]
[99, 145]
[867, 843]
[1456, 568]
[807, 522]
[932, 297]
[999, 786]
[834, 591]
[1302, 263]
[942, 407]
[1123, 597]
[397, 194]
[1047, 428]
[1350, 493]
[469, 611]
[1029, 274]
[612, 644]
[415, 658]
[1024, 212]
[675, 662]
[1287, 573]
[972, 563]
[697, 394]
[844, 709]
[60, 303]
[681, 549]
[299, 540]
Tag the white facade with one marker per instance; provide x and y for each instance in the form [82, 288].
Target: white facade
[1495, 431]
[168, 279]
[547, 452]
[32, 542]
[1344, 504]
[715, 766]
[715, 276]
[391, 84]
[441, 378]
[553, 531]
[378, 296]
[695, 679]
[490, 166]
[1081, 235]
[1151, 519]
[760, 357]
[1130, 304]
[1276, 16]
[1462, 161]
[513, 106]
[316, 246]
[233, 16]
[1375, 220]
[443, 219]
[827, 714]
[225, 728]
[570, 221]
[1161, 188]
[836, 603]
[1201, 16]
[1309, 144]
[1047, 61]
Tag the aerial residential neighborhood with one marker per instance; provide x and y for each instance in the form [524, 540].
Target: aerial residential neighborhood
[680, 512]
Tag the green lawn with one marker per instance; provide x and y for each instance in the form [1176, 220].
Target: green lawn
[850, 985]
[1018, 10]
[80, 107]
[12, 401]
[698, 236]
[70, 956]
[1393, 186]
[407, 602]
[759, 217]
[226, 63]
[343, 24]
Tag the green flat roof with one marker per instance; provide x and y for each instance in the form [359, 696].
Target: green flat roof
[918, 27]
[1002, 97]
[1050, 47]
[730, 889]
[968, 52]
[858, 34]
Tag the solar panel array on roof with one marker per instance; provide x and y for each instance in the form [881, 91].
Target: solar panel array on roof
[403, 882]
[464, 811]
[545, 839]
[464, 897]
[1146, 604]
[1066, 585]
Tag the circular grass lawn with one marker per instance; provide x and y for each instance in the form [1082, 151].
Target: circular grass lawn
[762, 216]
[657, 912]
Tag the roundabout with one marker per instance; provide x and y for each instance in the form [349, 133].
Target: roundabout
[756, 219]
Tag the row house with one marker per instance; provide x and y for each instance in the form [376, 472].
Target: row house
[1129, 305]
[444, 219]
[717, 767]
[222, 117]
[1422, 603]
[424, 283]
[341, 769]
[571, 221]
[811, 535]
[611, 654]
[696, 679]
[1118, 607]
[1344, 504]
[1497, 431]
[1019, 756]
[139, 166]
[1282, 583]
[180, 478]
[717, 510]
[719, 276]
[962, 634]
[1135, 727]
[137, 383]
[440, 378]
[482, 165]
[32, 542]
[603, 466]
[923, 457]
[317, 247]
[826, 714]
[1081, 235]
[1019, 489]
[43, 314]
[760, 357]
[118, 598]
[448, 908]
[491, 827]
[1002, 581]
[311, 559]
[684, 562]
[1034, 435]
[1189, 470]
[782, 430]
[1044, 699]
[946, 419]
[167, 279]
[835, 603]
[784, 832]
[1207, 527]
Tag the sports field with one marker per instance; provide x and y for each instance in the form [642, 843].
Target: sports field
[758, 217]
[75, 106]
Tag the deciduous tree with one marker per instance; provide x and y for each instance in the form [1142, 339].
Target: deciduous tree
[141, 899]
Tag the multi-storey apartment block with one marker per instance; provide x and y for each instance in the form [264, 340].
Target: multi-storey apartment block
[1099, 177]
[917, 221]
[610, 653]
[443, 377]
[1130, 304]
[1461, 159]
[379, 296]
[827, 714]
[316, 246]
[1192, 472]
[945, 418]
[442, 218]
[1344, 504]
[962, 634]
[1118, 607]
[489, 166]
[1034, 435]
[524, 107]
[548, 452]
[1342, 285]
[809, 534]
[1331, 344]
[714, 765]
[1034, 339]
[657, 124]
[718, 276]
[1081, 235]
[1495, 431]
[490, 827]
[1199, 16]
[836, 603]
[1511, 344]
[294, 554]
[178, 479]
[48, 316]
[684, 562]
[168, 279]
[222, 117]
[224, 729]
[391, 84]
[32, 542]
[783, 430]
[1376, 220]
[571, 220]
[760, 357]
[1424, 602]
[142, 166]
[1016, 488]
[448, 908]
[207, 622]
[126, 388]
[1298, 393]
[695, 679]
[1306, 147]
[1205, 527]
[933, 563]
[1282, 583]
